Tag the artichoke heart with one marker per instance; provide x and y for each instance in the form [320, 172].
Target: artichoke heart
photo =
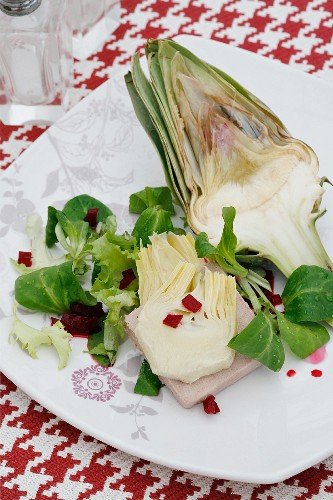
[221, 146]
[157, 261]
[199, 345]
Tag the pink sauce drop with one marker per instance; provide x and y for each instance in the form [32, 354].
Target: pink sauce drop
[291, 373]
[318, 356]
[316, 373]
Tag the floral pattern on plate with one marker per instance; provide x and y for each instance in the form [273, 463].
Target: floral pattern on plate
[95, 382]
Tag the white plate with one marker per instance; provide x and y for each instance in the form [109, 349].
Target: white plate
[271, 426]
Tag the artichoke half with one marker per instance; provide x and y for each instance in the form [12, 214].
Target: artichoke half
[221, 146]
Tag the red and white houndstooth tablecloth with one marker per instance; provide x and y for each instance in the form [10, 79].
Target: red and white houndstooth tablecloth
[42, 457]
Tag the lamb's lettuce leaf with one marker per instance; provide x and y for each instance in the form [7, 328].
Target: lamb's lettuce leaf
[308, 294]
[74, 210]
[51, 289]
[159, 197]
[302, 339]
[224, 253]
[147, 384]
[152, 220]
[259, 341]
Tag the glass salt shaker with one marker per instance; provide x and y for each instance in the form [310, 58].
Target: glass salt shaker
[36, 62]
[92, 22]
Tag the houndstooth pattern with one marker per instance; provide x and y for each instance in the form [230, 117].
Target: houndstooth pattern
[296, 32]
[42, 457]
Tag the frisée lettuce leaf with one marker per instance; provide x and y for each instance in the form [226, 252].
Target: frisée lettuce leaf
[31, 338]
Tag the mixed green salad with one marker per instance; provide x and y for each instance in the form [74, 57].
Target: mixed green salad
[94, 284]
[249, 191]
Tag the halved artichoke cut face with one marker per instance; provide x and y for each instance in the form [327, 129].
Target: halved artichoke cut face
[221, 146]
[233, 153]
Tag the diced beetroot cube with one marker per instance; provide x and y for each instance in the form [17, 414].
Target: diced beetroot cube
[89, 311]
[128, 277]
[269, 276]
[274, 298]
[73, 323]
[91, 217]
[210, 405]
[191, 303]
[25, 258]
[54, 320]
[172, 320]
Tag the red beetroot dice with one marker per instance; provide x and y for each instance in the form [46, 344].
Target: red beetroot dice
[172, 320]
[269, 276]
[91, 217]
[274, 298]
[89, 311]
[191, 303]
[75, 324]
[128, 277]
[210, 405]
[54, 320]
[25, 258]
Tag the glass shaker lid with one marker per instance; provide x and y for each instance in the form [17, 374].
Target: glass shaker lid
[19, 7]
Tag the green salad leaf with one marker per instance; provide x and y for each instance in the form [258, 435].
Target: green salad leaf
[31, 338]
[224, 253]
[118, 301]
[148, 384]
[159, 197]
[259, 341]
[303, 339]
[97, 349]
[51, 289]
[250, 281]
[72, 235]
[152, 220]
[52, 220]
[308, 294]
[103, 346]
[74, 210]
[112, 260]
[113, 333]
[60, 340]
[113, 254]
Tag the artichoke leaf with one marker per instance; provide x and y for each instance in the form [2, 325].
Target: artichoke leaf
[164, 146]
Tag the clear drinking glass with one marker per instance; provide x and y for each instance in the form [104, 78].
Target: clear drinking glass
[36, 62]
[92, 22]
